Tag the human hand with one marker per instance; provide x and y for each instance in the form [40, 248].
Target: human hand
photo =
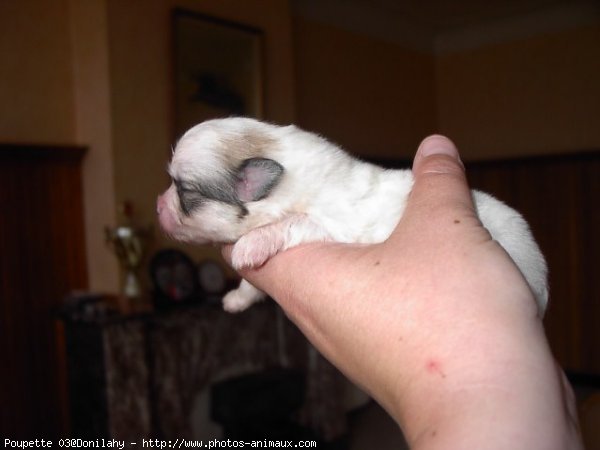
[436, 323]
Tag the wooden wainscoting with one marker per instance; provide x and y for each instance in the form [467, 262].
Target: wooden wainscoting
[560, 197]
[42, 258]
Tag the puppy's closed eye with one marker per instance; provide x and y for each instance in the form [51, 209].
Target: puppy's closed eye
[193, 194]
[189, 195]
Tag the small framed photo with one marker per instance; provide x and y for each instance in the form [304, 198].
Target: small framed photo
[217, 69]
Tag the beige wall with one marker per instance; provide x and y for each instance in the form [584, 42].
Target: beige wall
[36, 81]
[531, 96]
[372, 97]
[528, 96]
[98, 73]
[93, 128]
[53, 90]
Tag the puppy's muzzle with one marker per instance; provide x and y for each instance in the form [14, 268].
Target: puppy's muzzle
[166, 217]
[160, 204]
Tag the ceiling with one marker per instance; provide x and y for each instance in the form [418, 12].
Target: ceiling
[445, 24]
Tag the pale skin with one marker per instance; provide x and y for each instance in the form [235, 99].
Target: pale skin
[437, 323]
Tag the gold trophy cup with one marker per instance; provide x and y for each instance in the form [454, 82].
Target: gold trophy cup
[127, 243]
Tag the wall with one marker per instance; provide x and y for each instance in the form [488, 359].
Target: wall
[36, 88]
[533, 95]
[51, 92]
[98, 73]
[528, 96]
[93, 120]
[140, 69]
[372, 97]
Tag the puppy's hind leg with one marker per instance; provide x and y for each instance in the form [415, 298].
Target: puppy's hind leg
[255, 247]
[241, 298]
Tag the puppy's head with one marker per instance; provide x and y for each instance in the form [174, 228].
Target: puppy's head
[218, 169]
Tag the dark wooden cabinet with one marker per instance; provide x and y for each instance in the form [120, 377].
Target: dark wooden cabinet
[42, 258]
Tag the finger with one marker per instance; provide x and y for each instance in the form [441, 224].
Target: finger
[440, 197]
[440, 179]
[435, 145]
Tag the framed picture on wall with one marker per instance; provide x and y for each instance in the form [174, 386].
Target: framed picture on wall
[218, 69]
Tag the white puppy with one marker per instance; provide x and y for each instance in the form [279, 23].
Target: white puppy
[267, 188]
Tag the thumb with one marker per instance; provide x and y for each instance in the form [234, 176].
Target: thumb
[437, 155]
[440, 194]
[439, 175]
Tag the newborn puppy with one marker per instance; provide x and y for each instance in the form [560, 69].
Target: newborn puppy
[267, 188]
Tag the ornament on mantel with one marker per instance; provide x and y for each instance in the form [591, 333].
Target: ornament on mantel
[127, 242]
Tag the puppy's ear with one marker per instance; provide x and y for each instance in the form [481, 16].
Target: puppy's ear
[256, 177]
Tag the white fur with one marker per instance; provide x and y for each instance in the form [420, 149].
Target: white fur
[324, 194]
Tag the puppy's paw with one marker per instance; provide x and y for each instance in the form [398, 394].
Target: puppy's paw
[256, 247]
[241, 298]
[235, 301]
